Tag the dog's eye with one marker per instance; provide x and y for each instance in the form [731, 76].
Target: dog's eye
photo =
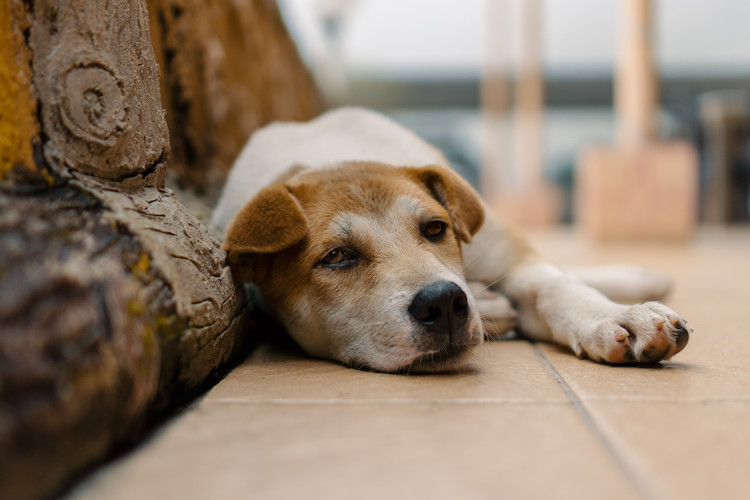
[433, 230]
[339, 257]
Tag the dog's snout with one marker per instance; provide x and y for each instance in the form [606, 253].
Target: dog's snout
[442, 308]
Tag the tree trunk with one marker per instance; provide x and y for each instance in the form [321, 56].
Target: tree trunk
[115, 302]
[228, 69]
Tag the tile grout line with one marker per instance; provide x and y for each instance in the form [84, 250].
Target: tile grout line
[636, 480]
[391, 401]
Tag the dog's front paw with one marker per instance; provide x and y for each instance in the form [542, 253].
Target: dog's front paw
[496, 311]
[643, 333]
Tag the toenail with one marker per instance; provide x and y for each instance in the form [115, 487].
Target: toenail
[622, 334]
[682, 338]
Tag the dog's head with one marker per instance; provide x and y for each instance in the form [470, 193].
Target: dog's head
[362, 263]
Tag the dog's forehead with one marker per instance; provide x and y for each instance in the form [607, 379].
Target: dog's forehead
[372, 192]
[396, 214]
[373, 208]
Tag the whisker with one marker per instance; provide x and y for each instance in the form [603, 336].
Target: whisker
[467, 266]
[490, 329]
[493, 283]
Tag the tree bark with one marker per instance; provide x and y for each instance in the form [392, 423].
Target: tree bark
[115, 302]
[228, 69]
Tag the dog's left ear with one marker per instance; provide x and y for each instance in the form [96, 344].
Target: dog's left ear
[455, 194]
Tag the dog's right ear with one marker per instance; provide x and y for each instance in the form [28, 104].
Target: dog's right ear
[456, 195]
[269, 223]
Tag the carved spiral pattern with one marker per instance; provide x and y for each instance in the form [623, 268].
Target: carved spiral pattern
[92, 105]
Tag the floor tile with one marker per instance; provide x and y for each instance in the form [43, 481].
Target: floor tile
[712, 291]
[681, 427]
[686, 451]
[705, 375]
[331, 451]
[506, 371]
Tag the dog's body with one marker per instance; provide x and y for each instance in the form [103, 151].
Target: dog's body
[356, 232]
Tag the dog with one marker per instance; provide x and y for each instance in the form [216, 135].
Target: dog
[372, 252]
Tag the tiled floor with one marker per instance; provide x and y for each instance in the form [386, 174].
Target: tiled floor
[524, 421]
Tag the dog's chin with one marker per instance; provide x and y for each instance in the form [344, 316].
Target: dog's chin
[449, 360]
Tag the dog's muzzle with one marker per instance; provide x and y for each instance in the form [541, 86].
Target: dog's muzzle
[441, 310]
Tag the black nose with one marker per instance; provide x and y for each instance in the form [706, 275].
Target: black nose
[442, 310]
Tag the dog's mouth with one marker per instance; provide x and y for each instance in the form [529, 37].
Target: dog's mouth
[445, 360]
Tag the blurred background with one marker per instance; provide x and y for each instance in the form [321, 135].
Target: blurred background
[441, 67]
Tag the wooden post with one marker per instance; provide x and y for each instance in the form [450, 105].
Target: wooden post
[638, 188]
[224, 75]
[526, 197]
[494, 100]
[529, 103]
[635, 87]
[725, 116]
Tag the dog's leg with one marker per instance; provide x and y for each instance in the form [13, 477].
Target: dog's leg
[624, 283]
[556, 306]
[496, 311]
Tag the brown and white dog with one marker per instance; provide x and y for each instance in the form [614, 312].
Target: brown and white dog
[372, 252]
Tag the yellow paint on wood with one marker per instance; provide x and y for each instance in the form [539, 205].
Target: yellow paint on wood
[141, 266]
[18, 124]
[136, 308]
